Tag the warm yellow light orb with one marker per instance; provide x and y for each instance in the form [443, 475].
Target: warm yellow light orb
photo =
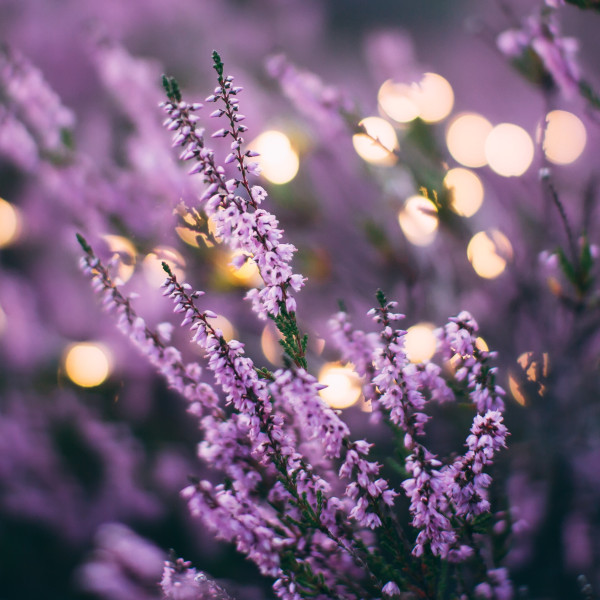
[466, 137]
[269, 342]
[379, 145]
[434, 97]
[420, 342]
[224, 325]
[248, 274]
[278, 159]
[189, 236]
[481, 345]
[418, 220]
[10, 223]
[564, 137]
[343, 385]
[515, 389]
[533, 367]
[87, 364]
[397, 101]
[488, 252]
[466, 190]
[127, 255]
[152, 265]
[509, 150]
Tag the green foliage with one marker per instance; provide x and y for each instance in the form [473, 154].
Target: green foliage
[83, 243]
[293, 344]
[579, 273]
[381, 299]
[218, 64]
[171, 88]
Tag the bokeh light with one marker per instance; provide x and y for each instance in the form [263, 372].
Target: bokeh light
[248, 274]
[379, 152]
[269, 343]
[188, 234]
[127, 255]
[466, 191]
[564, 137]
[420, 342]
[397, 101]
[152, 265]
[535, 369]
[481, 344]
[431, 99]
[434, 97]
[509, 150]
[515, 389]
[87, 364]
[278, 159]
[488, 252]
[418, 220]
[224, 325]
[10, 223]
[343, 385]
[466, 138]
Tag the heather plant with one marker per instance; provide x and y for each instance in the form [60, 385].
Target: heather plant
[281, 449]
[398, 501]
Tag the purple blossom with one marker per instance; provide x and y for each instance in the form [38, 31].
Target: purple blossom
[185, 379]
[239, 221]
[467, 483]
[458, 341]
[300, 391]
[541, 34]
[498, 586]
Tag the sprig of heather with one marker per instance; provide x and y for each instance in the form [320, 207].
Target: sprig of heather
[250, 396]
[467, 482]
[233, 517]
[399, 389]
[399, 393]
[368, 491]
[458, 341]
[225, 441]
[183, 378]
[239, 220]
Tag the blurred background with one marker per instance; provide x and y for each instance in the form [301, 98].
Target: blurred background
[468, 101]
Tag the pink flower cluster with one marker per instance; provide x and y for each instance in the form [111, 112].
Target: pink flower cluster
[233, 203]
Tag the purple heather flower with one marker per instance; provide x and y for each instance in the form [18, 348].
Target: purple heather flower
[498, 586]
[238, 220]
[557, 54]
[185, 379]
[426, 490]
[391, 589]
[466, 481]
[300, 391]
[458, 340]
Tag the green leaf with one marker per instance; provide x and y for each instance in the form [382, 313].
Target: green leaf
[381, 298]
[566, 266]
[217, 63]
[82, 242]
